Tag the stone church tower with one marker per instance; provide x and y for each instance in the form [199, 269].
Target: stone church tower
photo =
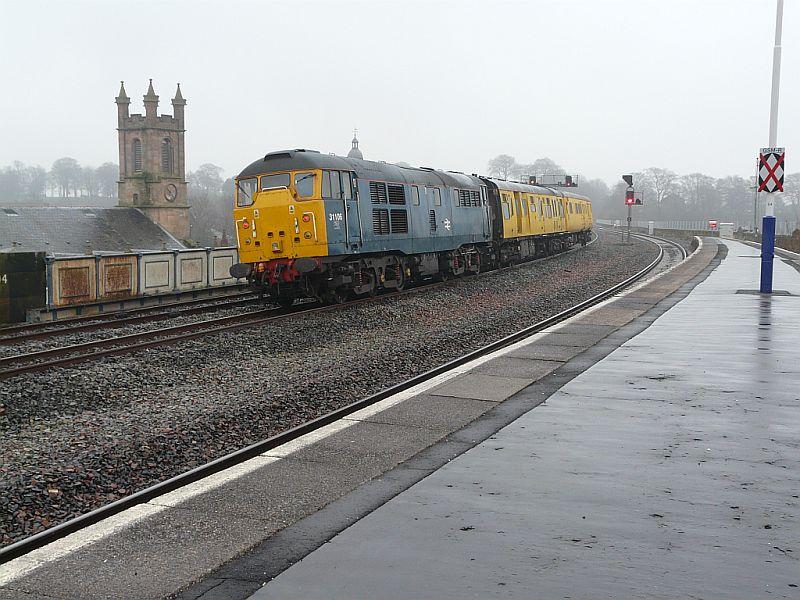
[152, 171]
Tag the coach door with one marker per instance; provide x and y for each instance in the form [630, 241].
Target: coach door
[486, 219]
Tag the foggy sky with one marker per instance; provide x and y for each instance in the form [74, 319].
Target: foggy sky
[601, 87]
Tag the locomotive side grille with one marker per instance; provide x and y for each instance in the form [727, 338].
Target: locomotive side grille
[463, 197]
[399, 220]
[380, 221]
[377, 192]
[432, 219]
[476, 197]
[397, 194]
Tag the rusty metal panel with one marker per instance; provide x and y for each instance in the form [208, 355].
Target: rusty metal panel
[23, 284]
[220, 261]
[156, 273]
[118, 276]
[74, 280]
[190, 268]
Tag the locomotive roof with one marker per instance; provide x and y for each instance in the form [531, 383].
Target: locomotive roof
[535, 189]
[293, 160]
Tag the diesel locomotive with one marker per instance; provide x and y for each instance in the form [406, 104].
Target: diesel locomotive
[323, 226]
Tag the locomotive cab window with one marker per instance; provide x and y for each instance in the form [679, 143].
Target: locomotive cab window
[271, 182]
[304, 184]
[414, 195]
[347, 187]
[336, 186]
[245, 189]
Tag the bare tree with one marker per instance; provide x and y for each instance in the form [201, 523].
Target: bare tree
[662, 184]
[35, 182]
[502, 166]
[107, 175]
[89, 182]
[546, 166]
[66, 173]
[211, 200]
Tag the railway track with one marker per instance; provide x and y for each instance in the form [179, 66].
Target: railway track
[65, 356]
[59, 531]
[15, 334]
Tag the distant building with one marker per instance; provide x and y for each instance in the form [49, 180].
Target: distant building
[152, 213]
[152, 161]
[354, 151]
[71, 230]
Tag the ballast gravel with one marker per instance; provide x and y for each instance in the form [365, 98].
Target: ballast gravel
[74, 439]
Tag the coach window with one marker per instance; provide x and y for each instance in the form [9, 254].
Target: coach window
[304, 184]
[524, 202]
[336, 188]
[347, 186]
[326, 184]
[506, 210]
[414, 195]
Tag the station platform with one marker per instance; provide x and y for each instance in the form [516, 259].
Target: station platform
[661, 461]
[670, 468]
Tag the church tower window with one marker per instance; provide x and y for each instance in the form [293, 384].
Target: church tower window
[137, 155]
[166, 156]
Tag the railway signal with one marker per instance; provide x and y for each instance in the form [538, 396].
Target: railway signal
[628, 179]
[630, 200]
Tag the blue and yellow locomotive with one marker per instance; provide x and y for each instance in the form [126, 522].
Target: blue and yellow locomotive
[315, 225]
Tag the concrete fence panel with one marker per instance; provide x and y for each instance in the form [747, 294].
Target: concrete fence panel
[191, 270]
[73, 281]
[118, 276]
[220, 261]
[156, 273]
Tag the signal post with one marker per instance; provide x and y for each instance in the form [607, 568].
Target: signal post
[630, 200]
[770, 165]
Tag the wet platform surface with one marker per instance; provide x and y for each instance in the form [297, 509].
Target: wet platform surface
[664, 467]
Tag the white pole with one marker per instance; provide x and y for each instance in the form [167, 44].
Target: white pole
[776, 82]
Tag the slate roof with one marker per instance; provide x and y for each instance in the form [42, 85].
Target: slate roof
[63, 230]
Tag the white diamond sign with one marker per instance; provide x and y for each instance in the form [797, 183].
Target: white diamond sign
[770, 170]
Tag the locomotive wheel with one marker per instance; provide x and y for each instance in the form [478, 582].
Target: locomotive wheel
[336, 296]
[477, 264]
[285, 301]
[400, 276]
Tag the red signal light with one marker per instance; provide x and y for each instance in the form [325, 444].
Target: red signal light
[245, 224]
[629, 199]
[306, 218]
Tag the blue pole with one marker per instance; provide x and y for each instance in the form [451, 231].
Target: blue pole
[767, 252]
